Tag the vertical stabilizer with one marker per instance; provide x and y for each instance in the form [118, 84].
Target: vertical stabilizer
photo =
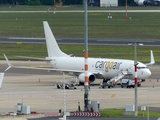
[52, 46]
[1, 79]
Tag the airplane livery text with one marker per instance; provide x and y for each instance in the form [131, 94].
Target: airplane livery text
[107, 65]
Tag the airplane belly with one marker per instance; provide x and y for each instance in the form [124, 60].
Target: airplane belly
[109, 75]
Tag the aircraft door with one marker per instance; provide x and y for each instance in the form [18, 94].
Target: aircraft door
[130, 70]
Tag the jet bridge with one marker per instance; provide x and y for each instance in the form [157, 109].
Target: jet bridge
[116, 78]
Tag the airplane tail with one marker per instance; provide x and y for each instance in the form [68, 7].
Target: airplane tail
[52, 46]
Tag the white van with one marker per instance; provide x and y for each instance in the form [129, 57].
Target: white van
[127, 83]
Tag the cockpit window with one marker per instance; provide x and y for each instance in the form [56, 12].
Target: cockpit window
[142, 67]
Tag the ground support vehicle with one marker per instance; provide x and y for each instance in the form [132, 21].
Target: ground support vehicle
[71, 84]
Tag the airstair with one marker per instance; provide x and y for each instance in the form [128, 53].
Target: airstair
[116, 78]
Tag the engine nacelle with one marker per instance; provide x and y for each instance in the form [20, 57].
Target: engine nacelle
[91, 77]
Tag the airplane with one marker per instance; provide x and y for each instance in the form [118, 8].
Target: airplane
[110, 70]
[147, 2]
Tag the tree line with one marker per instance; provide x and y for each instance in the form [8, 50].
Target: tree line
[51, 2]
[40, 2]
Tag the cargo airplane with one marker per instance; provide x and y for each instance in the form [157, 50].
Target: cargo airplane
[110, 70]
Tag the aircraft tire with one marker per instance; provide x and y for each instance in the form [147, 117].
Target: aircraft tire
[58, 86]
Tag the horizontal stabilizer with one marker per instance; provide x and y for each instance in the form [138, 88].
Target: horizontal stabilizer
[9, 64]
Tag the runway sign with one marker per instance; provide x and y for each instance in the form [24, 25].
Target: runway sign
[86, 114]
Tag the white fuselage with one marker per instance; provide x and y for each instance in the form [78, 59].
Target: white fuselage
[108, 68]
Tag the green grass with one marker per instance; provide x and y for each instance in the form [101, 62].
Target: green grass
[71, 25]
[117, 52]
[117, 113]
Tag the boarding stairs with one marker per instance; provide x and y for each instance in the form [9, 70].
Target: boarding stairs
[117, 77]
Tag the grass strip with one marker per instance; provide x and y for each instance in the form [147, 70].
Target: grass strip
[117, 113]
[71, 25]
[116, 52]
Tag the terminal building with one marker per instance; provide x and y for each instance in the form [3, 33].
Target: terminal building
[103, 3]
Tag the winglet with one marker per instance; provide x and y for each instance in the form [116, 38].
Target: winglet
[152, 59]
[9, 64]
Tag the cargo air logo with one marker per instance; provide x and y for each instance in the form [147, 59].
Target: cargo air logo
[107, 65]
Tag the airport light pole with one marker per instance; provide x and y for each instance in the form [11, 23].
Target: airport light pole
[135, 66]
[64, 97]
[86, 94]
[126, 9]
[147, 106]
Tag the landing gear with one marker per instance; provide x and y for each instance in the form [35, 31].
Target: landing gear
[143, 80]
[58, 86]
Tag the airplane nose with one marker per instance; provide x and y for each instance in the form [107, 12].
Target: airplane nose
[144, 74]
[147, 73]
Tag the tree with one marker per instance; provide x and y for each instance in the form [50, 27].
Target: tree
[2, 1]
[69, 2]
[123, 2]
[34, 2]
[47, 2]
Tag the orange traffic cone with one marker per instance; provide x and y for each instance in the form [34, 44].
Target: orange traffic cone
[39, 80]
[150, 80]
[157, 80]
[153, 85]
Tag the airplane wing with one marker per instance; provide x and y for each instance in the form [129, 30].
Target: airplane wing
[47, 69]
[25, 67]
[152, 60]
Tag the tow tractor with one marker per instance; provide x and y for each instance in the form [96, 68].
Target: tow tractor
[106, 83]
[71, 84]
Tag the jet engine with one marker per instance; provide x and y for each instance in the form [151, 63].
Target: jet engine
[91, 77]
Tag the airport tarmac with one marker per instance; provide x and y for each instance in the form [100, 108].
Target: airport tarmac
[37, 89]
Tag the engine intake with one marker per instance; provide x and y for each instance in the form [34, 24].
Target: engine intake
[91, 77]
